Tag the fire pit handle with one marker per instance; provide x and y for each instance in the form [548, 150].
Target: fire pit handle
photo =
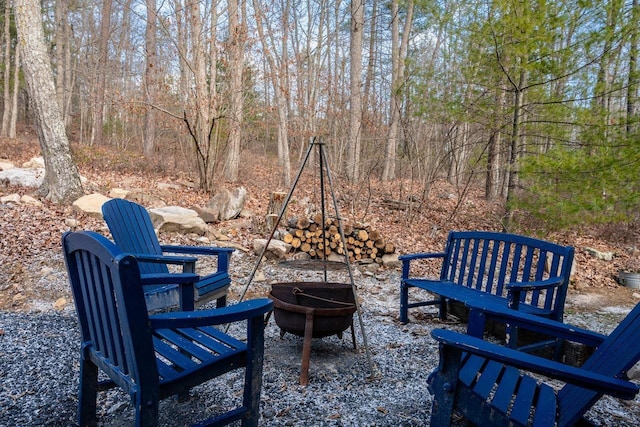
[299, 292]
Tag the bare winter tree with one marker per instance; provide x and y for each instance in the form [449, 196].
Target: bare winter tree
[151, 79]
[398, 58]
[237, 37]
[6, 74]
[355, 112]
[62, 180]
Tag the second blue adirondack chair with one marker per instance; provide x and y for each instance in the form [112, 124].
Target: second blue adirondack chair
[132, 230]
[492, 385]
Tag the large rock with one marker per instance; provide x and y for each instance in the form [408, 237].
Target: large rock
[391, 261]
[207, 215]
[22, 177]
[90, 204]
[6, 164]
[277, 248]
[34, 163]
[176, 218]
[228, 203]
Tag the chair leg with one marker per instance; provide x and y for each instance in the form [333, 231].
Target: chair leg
[147, 407]
[442, 385]
[404, 303]
[253, 372]
[222, 301]
[88, 394]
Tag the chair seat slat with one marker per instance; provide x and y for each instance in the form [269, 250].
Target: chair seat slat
[524, 400]
[213, 339]
[488, 379]
[503, 396]
[546, 407]
[470, 369]
[172, 356]
[184, 344]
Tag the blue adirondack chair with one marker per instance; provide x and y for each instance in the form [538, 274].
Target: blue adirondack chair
[490, 384]
[154, 357]
[132, 230]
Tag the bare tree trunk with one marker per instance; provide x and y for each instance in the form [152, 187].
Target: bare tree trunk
[61, 53]
[7, 62]
[201, 113]
[518, 102]
[355, 76]
[492, 183]
[62, 180]
[103, 55]
[634, 74]
[280, 83]
[237, 37]
[14, 96]
[372, 56]
[149, 134]
[398, 54]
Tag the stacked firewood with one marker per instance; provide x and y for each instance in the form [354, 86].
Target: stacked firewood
[360, 243]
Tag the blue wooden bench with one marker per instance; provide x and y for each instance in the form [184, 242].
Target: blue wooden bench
[523, 273]
[154, 357]
[490, 384]
[132, 230]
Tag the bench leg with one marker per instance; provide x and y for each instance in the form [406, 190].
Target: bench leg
[443, 308]
[476, 323]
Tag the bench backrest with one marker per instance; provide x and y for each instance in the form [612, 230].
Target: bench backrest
[488, 261]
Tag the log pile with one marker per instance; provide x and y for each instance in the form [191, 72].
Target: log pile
[361, 241]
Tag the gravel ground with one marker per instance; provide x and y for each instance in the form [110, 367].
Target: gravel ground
[39, 367]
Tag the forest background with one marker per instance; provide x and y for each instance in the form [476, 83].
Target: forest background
[534, 101]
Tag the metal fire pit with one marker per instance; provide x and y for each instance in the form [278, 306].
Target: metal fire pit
[313, 310]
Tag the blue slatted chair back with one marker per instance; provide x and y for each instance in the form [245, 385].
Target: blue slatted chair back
[108, 296]
[131, 227]
[618, 353]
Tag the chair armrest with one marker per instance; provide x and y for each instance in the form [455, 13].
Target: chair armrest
[191, 319]
[197, 250]
[169, 279]
[223, 254]
[569, 374]
[500, 313]
[166, 259]
[407, 258]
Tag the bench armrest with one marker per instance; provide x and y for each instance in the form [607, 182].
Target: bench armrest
[422, 255]
[192, 319]
[223, 254]
[407, 258]
[537, 285]
[556, 370]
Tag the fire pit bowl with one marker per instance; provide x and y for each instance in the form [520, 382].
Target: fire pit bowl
[313, 310]
[332, 306]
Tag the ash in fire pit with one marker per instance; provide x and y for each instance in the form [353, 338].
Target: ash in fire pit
[313, 310]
